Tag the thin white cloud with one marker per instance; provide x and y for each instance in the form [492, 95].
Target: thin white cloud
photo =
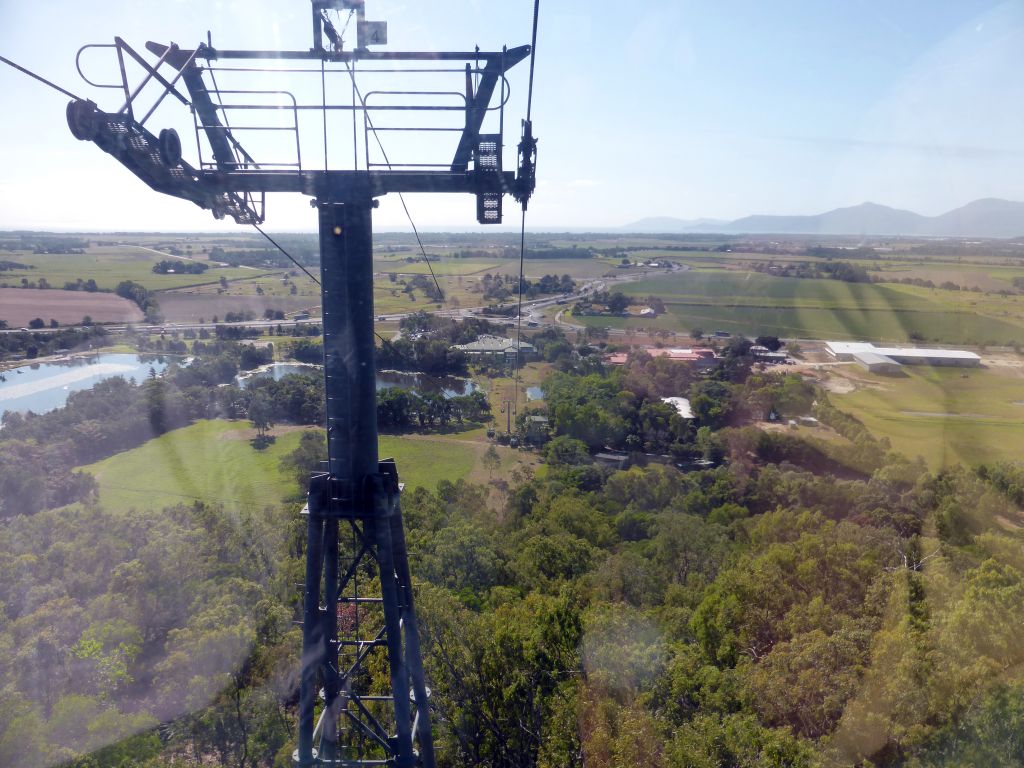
[584, 183]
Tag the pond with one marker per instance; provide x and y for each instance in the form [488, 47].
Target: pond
[449, 386]
[42, 387]
[277, 371]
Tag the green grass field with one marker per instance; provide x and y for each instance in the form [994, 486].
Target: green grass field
[213, 461]
[108, 266]
[207, 461]
[947, 416]
[424, 461]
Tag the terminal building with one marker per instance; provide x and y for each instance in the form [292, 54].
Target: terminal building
[497, 350]
[890, 359]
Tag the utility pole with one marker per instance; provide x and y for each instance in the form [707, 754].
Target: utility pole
[358, 591]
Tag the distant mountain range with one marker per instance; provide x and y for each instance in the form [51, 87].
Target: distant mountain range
[990, 217]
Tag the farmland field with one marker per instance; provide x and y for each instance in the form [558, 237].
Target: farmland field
[944, 415]
[851, 324]
[985, 278]
[575, 268]
[756, 289]
[532, 268]
[108, 266]
[182, 306]
[20, 305]
[755, 303]
[441, 267]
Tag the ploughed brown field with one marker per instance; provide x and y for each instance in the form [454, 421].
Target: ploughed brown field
[188, 307]
[20, 305]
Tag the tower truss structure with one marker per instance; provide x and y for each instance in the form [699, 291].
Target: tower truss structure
[363, 696]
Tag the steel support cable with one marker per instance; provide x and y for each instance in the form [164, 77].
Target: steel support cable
[401, 197]
[40, 78]
[282, 250]
[296, 263]
[288, 255]
[533, 58]
[522, 229]
[519, 310]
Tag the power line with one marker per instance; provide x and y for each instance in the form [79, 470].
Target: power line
[41, 79]
[533, 58]
[401, 197]
[522, 229]
[519, 311]
[282, 250]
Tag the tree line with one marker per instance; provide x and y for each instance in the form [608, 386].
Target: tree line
[180, 267]
[806, 603]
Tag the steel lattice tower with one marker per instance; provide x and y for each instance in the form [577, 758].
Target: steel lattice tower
[358, 592]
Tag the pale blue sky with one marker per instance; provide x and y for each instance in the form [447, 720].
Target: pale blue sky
[648, 108]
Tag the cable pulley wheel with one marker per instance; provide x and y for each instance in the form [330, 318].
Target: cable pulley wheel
[83, 120]
[170, 147]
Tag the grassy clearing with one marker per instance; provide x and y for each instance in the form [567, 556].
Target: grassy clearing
[947, 416]
[207, 461]
[424, 460]
[213, 461]
[500, 389]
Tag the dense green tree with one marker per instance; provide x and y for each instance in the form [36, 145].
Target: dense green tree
[566, 450]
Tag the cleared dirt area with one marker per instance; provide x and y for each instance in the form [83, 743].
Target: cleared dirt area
[1002, 360]
[20, 305]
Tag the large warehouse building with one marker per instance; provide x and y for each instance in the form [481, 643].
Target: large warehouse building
[889, 359]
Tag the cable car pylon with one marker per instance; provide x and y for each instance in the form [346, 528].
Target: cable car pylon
[358, 592]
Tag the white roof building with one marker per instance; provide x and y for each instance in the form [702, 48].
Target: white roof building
[497, 349]
[845, 350]
[868, 354]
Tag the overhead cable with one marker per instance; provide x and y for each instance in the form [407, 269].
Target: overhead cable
[401, 197]
[40, 78]
[282, 250]
[522, 229]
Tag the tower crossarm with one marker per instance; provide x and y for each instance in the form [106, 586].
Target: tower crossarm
[234, 182]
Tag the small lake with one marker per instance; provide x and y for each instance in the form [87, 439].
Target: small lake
[42, 387]
[449, 386]
[277, 371]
